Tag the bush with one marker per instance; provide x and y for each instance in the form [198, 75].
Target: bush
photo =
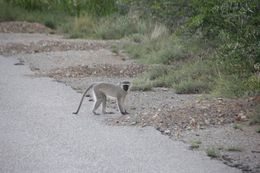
[212, 152]
[50, 24]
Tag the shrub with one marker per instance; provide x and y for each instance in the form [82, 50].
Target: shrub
[195, 144]
[50, 24]
[230, 86]
[212, 152]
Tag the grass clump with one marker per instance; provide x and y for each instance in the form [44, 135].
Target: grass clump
[237, 126]
[191, 87]
[234, 149]
[50, 24]
[212, 152]
[82, 27]
[194, 77]
[156, 76]
[255, 116]
[230, 86]
[139, 85]
[195, 144]
[117, 27]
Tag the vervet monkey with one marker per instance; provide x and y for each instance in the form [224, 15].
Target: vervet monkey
[103, 90]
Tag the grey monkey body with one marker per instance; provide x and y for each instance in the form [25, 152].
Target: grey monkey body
[103, 90]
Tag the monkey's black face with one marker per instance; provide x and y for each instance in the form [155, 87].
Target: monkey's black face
[125, 87]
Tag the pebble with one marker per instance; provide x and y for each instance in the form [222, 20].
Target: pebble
[167, 132]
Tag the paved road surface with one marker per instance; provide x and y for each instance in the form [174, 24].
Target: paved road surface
[39, 134]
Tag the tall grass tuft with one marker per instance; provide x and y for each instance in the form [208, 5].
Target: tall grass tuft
[117, 27]
[83, 26]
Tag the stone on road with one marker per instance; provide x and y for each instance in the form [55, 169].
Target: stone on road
[39, 133]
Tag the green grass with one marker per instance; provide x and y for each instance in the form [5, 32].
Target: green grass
[139, 85]
[163, 49]
[212, 152]
[234, 149]
[237, 126]
[116, 27]
[231, 86]
[195, 144]
[255, 116]
[189, 78]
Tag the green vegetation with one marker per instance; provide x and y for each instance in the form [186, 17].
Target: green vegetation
[212, 152]
[234, 149]
[237, 126]
[255, 116]
[195, 144]
[193, 46]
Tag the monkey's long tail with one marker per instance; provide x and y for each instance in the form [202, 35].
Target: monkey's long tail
[83, 98]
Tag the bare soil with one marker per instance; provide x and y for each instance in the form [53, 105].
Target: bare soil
[216, 123]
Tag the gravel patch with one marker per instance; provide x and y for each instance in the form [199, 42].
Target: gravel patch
[23, 27]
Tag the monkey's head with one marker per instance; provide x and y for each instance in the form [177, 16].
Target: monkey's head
[125, 85]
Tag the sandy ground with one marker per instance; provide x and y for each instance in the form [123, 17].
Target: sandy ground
[188, 118]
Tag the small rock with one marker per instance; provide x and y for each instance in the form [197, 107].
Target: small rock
[133, 123]
[35, 69]
[220, 99]
[144, 125]
[133, 108]
[127, 118]
[188, 128]
[165, 89]
[19, 63]
[167, 132]
[155, 116]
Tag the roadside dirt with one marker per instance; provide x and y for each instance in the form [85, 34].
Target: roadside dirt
[216, 123]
